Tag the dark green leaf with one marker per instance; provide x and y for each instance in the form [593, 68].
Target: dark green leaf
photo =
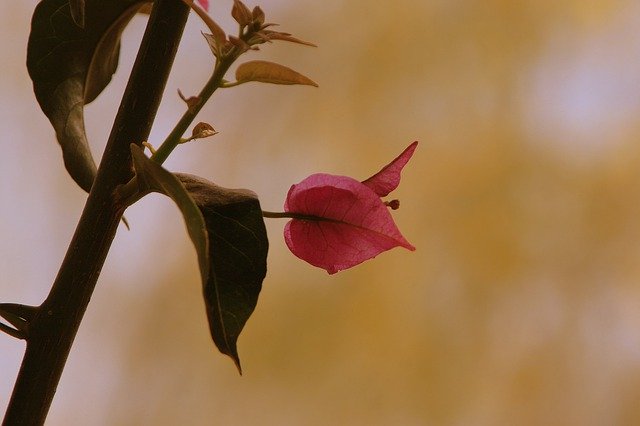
[227, 229]
[70, 65]
[238, 257]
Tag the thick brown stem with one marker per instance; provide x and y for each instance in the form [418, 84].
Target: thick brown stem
[53, 328]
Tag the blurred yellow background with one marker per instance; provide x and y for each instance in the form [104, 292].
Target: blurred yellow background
[521, 304]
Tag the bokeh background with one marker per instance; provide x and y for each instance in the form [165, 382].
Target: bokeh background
[521, 304]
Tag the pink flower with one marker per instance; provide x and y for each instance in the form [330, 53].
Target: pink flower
[340, 222]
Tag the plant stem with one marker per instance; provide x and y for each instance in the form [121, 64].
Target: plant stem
[299, 216]
[175, 137]
[55, 323]
[278, 215]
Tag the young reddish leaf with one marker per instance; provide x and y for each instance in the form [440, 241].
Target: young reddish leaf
[241, 13]
[202, 130]
[213, 43]
[387, 179]
[70, 66]
[276, 35]
[258, 16]
[270, 72]
[342, 223]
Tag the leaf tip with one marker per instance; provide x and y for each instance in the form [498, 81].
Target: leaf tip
[232, 352]
[236, 361]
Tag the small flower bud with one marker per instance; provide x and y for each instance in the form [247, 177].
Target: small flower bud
[393, 204]
[203, 130]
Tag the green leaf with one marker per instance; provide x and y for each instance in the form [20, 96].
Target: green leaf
[228, 232]
[70, 65]
[238, 258]
[270, 72]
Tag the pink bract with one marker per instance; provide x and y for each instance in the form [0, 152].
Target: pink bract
[388, 179]
[344, 222]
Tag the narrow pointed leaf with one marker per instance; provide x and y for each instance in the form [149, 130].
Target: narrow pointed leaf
[270, 72]
[342, 223]
[238, 258]
[388, 179]
[275, 35]
[70, 65]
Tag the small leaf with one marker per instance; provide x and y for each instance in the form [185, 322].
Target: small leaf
[218, 47]
[241, 13]
[202, 130]
[70, 66]
[238, 258]
[258, 16]
[276, 35]
[270, 72]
